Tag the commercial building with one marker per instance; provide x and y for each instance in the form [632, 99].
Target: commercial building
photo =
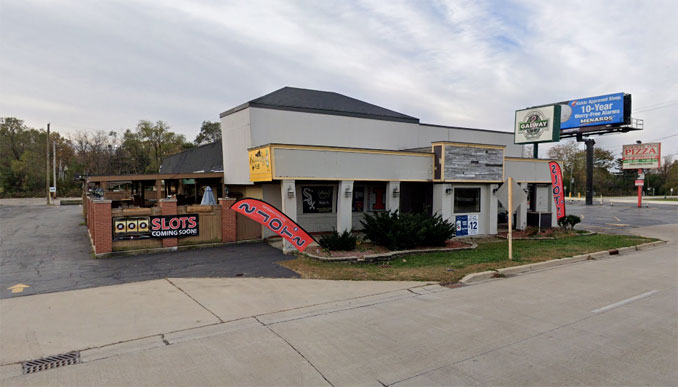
[326, 159]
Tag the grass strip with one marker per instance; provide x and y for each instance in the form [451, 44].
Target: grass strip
[452, 266]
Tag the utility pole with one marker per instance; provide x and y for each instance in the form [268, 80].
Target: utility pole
[589, 170]
[47, 167]
[54, 167]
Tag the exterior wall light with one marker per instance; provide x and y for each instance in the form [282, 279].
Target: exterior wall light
[290, 193]
[448, 190]
[396, 192]
[348, 192]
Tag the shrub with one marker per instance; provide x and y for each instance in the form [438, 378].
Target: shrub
[336, 241]
[573, 220]
[436, 230]
[568, 221]
[406, 231]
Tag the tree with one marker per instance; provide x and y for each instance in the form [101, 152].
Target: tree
[572, 159]
[160, 142]
[209, 133]
[574, 167]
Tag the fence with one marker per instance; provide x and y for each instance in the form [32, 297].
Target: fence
[216, 224]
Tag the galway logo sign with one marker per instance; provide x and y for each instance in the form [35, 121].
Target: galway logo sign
[537, 125]
[534, 125]
[264, 213]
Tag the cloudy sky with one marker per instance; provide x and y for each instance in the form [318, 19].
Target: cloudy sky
[88, 65]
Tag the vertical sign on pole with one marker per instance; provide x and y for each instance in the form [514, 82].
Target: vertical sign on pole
[557, 188]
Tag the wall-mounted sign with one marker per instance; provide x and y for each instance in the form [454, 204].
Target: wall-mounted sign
[264, 213]
[557, 188]
[317, 199]
[466, 225]
[592, 111]
[637, 156]
[168, 226]
[174, 226]
[130, 227]
[539, 124]
[260, 164]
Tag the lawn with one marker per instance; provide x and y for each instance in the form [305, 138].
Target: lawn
[491, 254]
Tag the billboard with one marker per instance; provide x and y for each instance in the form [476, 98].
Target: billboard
[610, 109]
[539, 124]
[637, 156]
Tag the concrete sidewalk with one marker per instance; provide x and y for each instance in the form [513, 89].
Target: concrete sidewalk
[612, 321]
[49, 324]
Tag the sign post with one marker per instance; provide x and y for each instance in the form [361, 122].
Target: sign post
[641, 156]
[510, 218]
[640, 182]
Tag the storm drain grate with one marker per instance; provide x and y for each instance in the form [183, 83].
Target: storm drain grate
[50, 362]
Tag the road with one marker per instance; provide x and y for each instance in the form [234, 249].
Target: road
[602, 322]
[48, 249]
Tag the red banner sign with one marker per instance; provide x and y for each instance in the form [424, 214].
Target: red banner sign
[276, 221]
[557, 187]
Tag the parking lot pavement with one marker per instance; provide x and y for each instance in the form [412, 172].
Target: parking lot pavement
[47, 248]
[622, 218]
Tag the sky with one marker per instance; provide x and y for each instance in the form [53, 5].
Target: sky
[105, 65]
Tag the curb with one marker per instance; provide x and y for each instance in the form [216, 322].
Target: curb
[475, 278]
[386, 256]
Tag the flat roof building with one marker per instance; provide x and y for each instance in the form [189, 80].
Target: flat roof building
[325, 159]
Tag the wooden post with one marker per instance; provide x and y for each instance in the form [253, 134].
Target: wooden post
[158, 189]
[510, 218]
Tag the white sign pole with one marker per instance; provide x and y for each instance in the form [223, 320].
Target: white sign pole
[510, 218]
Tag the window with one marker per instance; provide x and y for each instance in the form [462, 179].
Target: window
[317, 199]
[466, 200]
[358, 198]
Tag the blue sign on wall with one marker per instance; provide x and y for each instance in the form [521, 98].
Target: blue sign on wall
[592, 111]
[466, 225]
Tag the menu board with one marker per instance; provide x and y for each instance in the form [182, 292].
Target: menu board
[317, 199]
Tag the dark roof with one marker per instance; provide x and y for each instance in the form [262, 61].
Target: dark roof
[464, 128]
[205, 158]
[321, 102]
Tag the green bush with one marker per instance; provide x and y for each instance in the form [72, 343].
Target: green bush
[406, 231]
[336, 241]
[568, 221]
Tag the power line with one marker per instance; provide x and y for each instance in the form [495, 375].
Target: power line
[659, 106]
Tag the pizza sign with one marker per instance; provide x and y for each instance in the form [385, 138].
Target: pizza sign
[636, 156]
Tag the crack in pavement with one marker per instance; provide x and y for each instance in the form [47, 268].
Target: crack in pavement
[295, 350]
[194, 300]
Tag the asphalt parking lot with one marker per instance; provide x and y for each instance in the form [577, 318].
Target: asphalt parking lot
[622, 218]
[47, 248]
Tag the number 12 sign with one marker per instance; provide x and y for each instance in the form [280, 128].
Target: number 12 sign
[466, 225]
